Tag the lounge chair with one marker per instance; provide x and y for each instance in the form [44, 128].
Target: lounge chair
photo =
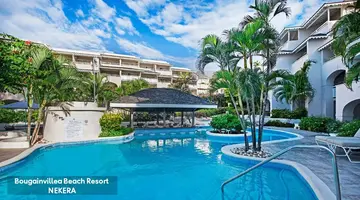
[348, 144]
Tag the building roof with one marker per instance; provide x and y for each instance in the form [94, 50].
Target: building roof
[162, 98]
[315, 15]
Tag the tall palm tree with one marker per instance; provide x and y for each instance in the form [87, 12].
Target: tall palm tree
[183, 82]
[265, 11]
[346, 43]
[129, 87]
[55, 86]
[295, 88]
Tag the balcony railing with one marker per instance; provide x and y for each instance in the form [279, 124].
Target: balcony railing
[324, 28]
[300, 62]
[109, 63]
[129, 77]
[151, 80]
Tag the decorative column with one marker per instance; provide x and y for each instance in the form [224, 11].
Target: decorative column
[182, 118]
[164, 117]
[193, 119]
[131, 118]
[157, 118]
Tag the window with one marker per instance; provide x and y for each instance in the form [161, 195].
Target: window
[335, 14]
[293, 35]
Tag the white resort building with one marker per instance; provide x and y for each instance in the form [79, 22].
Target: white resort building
[120, 68]
[312, 41]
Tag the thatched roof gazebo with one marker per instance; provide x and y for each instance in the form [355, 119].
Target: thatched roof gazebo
[161, 100]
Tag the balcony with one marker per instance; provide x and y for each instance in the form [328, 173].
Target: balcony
[110, 64]
[164, 72]
[151, 80]
[84, 65]
[134, 66]
[114, 79]
[324, 28]
[163, 84]
[333, 65]
[299, 63]
[129, 77]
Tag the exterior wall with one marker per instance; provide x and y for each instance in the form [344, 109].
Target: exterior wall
[314, 107]
[89, 114]
[322, 74]
[347, 101]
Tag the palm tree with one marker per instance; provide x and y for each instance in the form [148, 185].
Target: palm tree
[295, 88]
[129, 87]
[347, 44]
[183, 82]
[55, 86]
[265, 11]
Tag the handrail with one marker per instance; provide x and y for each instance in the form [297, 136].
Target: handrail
[334, 165]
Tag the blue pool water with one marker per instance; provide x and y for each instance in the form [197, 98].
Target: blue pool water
[162, 164]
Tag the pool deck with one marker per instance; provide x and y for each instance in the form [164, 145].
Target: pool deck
[319, 162]
[6, 154]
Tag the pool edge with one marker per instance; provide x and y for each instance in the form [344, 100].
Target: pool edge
[321, 190]
[23, 155]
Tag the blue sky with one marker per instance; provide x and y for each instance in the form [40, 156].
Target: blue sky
[152, 29]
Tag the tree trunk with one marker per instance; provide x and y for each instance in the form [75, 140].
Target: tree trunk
[253, 131]
[29, 105]
[38, 122]
[261, 124]
[243, 122]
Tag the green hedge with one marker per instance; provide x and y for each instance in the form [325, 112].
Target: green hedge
[285, 113]
[349, 129]
[316, 124]
[278, 123]
[11, 116]
[110, 121]
[226, 122]
[113, 133]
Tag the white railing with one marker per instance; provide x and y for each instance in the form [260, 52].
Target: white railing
[83, 62]
[130, 66]
[299, 62]
[163, 72]
[109, 63]
[129, 77]
[151, 80]
[324, 28]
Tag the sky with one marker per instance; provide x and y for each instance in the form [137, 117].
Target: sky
[151, 29]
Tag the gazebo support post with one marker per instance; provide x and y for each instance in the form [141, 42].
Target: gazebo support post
[182, 118]
[131, 118]
[193, 119]
[164, 117]
[157, 118]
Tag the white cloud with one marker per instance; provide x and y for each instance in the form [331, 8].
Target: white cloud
[187, 22]
[79, 13]
[141, 7]
[140, 49]
[45, 21]
[102, 10]
[124, 24]
[145, 51]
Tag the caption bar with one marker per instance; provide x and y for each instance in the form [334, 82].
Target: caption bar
[69, 185]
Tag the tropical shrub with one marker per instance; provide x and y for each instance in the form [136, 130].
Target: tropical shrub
[316, 124]
[210, 112]
[110, 121]
[114, 133]
[279, 123]
[333, 126]
[280, 113]
[226, 122]
[349, 129]
[299, 113]
[285, 113]
[11, 116]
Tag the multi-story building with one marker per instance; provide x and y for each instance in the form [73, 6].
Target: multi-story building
[124, 68]
[312, 41]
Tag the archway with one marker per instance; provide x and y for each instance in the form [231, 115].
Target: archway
[351, 111]
[329, 93]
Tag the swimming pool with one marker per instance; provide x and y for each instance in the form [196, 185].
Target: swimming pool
[162, 164]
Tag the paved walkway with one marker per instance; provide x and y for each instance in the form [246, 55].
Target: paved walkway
[9, 153]
[319, 161]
